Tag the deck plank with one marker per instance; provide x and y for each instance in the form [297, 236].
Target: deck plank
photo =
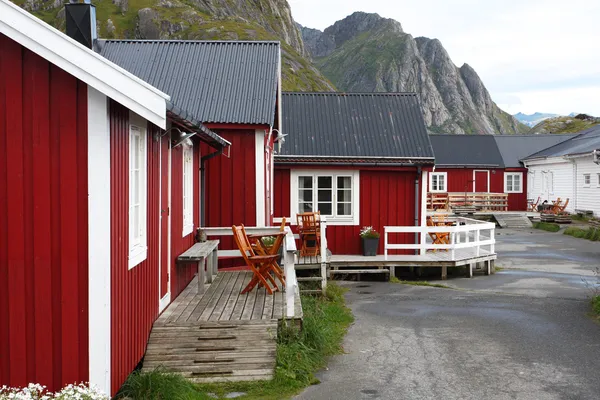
[259, 305]
[202, 302]
[240, 304]
[233, 298]
[218, 293]
[249, 306]
[227, 292]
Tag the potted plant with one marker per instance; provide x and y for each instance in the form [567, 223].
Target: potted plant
[370, 240]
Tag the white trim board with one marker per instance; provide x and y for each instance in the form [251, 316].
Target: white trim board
[259, 154]
[83, 63]
[99, 240]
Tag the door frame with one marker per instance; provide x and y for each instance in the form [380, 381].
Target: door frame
[166, 300]
[475, 181]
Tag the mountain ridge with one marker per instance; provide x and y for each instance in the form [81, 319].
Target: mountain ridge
[365, 52]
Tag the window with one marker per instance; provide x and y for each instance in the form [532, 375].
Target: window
[438, 182]
[335, 195]
[587, 180]
[188, 189]
[138, 248]
[513, 182]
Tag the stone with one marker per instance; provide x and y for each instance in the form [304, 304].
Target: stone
[147, 27]
[234, 395]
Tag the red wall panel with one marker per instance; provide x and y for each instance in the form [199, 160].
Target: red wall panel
[43, 221]
[134, 292]
[461, 180]
[386, 198]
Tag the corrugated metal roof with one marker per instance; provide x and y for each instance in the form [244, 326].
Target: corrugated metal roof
[354, 126]
[514, 148]
[466, 151]
[585, 142]
[216, 81]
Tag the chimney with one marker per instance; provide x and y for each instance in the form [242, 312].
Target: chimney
[81, 22]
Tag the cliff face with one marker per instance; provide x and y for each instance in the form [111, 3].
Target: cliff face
[201, 20]
[365, 52]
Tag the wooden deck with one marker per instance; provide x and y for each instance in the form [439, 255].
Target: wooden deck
[219, 335]
[430, 259]
[222, 301]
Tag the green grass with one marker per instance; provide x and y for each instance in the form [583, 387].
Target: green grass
[300, 353]
[596, 305]
[580, 233]
[580, 217]
[546, 226]
[393, 279]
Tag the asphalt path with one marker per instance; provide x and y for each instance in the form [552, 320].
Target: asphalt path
[523, 333]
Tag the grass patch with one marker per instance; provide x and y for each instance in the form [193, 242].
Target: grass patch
[300, 353]
[393, 279]
[547, 226]
[596, 305]
[580, 233]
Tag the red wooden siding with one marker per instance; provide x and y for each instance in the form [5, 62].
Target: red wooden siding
[134, 293]
[43, 221]
[386, 198]
[182, 274]
[461, 180]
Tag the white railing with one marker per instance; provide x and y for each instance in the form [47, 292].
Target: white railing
[289, 251]
[467, 233]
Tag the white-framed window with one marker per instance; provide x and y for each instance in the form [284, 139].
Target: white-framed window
[138, 192]
[438, 182]
[513, 182]
[548, 182]
[587, 180]
[334, 193]
[188, 189]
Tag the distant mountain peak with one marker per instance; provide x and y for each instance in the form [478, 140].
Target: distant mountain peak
[368, 53]
[532, 120]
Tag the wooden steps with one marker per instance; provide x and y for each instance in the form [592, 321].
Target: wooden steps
[516, 220]
[219, 351]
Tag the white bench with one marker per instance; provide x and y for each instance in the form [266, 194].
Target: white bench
[200, 253]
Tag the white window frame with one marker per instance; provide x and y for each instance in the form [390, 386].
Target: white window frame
[513, 175]
[587, 177]
[437, 175]
[334, 219]
[187, 156]
[138, 250]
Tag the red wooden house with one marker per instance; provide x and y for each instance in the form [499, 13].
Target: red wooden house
[99, 193]
[486, 164]
[357, 158]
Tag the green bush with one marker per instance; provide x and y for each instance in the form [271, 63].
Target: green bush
[547, 226]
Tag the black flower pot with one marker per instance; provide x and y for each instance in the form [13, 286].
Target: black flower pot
[369, 246]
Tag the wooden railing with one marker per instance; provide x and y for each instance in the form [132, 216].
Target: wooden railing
[478, 236]
[481, 201]
[289, 252]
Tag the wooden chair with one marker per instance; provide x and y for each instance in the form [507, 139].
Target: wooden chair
[273, 250]
[559, 208]
[309, 231]
[258, 264]
[533, 206]
[438, 237]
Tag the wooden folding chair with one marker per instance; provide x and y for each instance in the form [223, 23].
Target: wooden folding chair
[309, 231]
[533, 206]
[258, 264]
[557, 206]
[273, 250]
[561, 207]
[438, 237]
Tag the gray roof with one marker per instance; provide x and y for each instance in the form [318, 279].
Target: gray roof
[514, 148]
[215, 81]
[184, 118]
[466, 151]
[359, 126]
[585, 142]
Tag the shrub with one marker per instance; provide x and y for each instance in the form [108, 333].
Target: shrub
[589, 234]
[546, 226]
[34, 391]
[368, 232]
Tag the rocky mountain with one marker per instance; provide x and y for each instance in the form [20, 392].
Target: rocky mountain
[368, 53]
[201, 20]
[567, 124]
[532, 120]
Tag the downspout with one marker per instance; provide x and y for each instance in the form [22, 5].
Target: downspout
[417, 197]
[203, 159]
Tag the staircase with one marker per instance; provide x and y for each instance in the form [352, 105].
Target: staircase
[311, 273]
[512, 220]
[220, 351]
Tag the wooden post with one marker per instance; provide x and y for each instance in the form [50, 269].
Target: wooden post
[392, 271]
[209, 267]
[477, 245]
[470, 270]
[215, 266]
[201, 276]
[323, 233]
[444, 272]
[488, 269]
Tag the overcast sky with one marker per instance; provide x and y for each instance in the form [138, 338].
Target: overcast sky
[532, 55]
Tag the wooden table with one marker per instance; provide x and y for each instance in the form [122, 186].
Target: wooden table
[200, 253]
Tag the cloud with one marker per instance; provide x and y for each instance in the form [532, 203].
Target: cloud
[526, 46]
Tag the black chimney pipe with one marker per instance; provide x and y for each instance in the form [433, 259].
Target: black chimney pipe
[81, 22]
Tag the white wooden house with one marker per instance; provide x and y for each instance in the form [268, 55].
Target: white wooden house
[568, 170]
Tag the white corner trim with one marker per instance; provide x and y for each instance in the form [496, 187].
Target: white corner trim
[352, 220]
[259, 154]
[99, 240]
[83, 63]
